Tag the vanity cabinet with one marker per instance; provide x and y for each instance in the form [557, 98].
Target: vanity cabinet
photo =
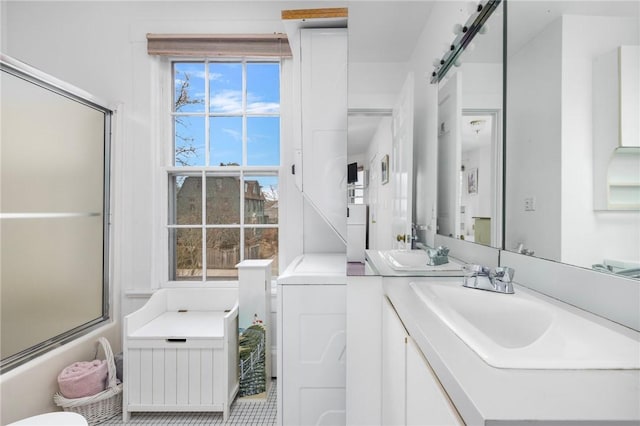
[411, 392]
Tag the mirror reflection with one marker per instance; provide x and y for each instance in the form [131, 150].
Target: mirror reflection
[571, 147]
[470, 140]
[573, 151]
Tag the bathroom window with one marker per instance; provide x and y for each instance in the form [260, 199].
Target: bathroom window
[226, 156]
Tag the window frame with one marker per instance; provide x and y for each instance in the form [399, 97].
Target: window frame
[169, 168]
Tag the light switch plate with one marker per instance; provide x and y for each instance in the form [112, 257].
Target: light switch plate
[530, 204]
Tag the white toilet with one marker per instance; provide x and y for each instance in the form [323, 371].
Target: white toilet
[58, 418]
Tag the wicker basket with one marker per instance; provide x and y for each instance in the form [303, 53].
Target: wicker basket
[101, 406]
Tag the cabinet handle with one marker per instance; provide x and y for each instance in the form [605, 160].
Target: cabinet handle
[401, 237]
[176, 340]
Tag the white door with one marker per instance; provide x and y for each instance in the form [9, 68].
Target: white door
[401, 162]
[449, 141]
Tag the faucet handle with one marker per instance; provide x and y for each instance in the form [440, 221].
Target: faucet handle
[504, 274]
[476, 269]
[442, 250]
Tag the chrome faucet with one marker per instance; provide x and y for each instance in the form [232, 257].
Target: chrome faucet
[480, 277]
[414, 236]
[522, 250]
[438, 256]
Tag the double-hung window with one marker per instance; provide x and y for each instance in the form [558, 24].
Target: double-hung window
[223, 184]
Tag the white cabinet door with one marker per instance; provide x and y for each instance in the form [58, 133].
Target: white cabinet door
[394, 337]
[313, 354]
[411, 392]
[427, 402]
[629, 59]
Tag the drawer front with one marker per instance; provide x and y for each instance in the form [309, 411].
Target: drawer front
[175, 376]
[176, 343]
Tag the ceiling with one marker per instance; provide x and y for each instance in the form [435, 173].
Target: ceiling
[385, 31]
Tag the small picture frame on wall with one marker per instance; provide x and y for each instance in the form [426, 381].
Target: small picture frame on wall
[472, 181]
[384, 171]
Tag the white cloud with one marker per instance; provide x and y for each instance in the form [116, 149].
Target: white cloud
[263, 107]
[255, 104]
[233, 133]
[230, 101]
[227, 101]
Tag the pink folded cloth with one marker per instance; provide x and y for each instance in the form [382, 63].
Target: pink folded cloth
[83, 378]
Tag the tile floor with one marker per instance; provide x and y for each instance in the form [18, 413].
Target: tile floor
[246, 412]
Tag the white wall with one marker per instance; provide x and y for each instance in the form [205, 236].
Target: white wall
[589, 236]
[482, 85]
[533, 144]
[375, 84]
[550, 99]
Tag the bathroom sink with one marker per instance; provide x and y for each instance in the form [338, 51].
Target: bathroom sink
[414, 260]
[406, 259]
[526, 331]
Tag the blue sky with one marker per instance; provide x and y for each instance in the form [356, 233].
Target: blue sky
[225, 87]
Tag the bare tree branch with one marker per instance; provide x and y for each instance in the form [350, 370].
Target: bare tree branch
[185, 151]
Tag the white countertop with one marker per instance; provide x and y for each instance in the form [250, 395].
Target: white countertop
[485, 395]
[316, 268]
[381, 267]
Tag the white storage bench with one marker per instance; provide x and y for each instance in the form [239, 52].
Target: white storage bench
[181, 352]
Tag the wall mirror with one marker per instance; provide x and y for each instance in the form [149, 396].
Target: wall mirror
[571, 90]
[470, 115]
[382, 41]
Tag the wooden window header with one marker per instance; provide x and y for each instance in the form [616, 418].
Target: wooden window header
[223, 45]
[327, 13]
